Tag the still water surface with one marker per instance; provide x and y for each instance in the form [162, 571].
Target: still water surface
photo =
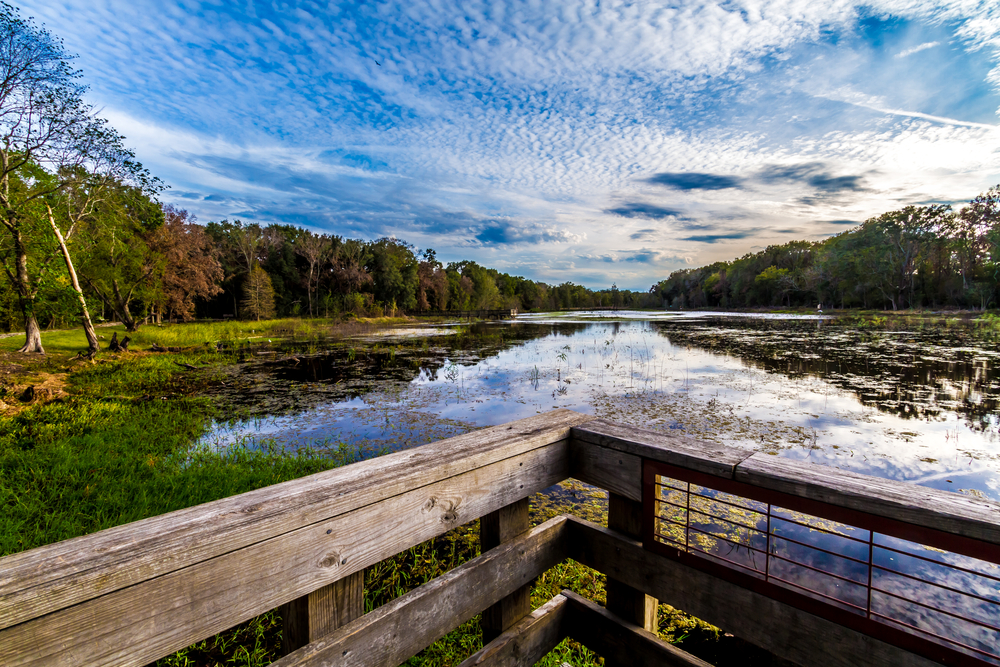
[918, 405]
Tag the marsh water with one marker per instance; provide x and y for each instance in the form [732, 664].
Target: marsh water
[918, 403]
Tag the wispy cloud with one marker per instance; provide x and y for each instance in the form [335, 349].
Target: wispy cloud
[695, 181]
[813, 174]
[917, 49]
[641, 210]
[716, 238]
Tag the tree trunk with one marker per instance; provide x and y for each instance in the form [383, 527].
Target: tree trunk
[32, 336]
[309, 289]
[32, 332]
[88, 327]
[123, 307]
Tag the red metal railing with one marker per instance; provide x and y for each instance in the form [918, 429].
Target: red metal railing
[924, 590]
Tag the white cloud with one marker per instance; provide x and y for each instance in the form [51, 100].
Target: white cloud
[917, 49]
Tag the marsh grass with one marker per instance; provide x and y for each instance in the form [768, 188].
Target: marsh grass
[68, 342]
[116, 450]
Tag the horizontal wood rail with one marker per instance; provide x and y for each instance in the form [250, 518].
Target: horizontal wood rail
[622, 449]
[569, 615]
[135, 593]
[132, 594]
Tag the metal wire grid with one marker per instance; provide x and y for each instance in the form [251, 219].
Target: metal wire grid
[742, 533]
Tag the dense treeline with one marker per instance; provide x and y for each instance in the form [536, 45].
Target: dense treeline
[140, 262]
[918, 256]
[322, 275]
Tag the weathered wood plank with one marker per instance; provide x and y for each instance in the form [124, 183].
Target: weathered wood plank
[319, 613]
[527, 642]
[630, 604]
[679, 450]
[783, 630]
[618, 641]
[606, 468]
[496, 528]
[931, 508]
[52, 577]
[136, 625]
[399, 629]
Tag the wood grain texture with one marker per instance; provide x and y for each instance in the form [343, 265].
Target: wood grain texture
[606, 468]
[783, 630]
[679, 450]
[919, 505]
[527, 641]
[399, 629]
[319, 613]
[626, 602]
[136, 625]
[55, 576]
[618, 641]
[495, 528]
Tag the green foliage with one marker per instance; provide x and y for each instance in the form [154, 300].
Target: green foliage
[916, 256]
[256, 643]
[394, 268]
[118, 450]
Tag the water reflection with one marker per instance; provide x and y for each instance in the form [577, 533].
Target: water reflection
[917, 587]
[916, 405]
[921, 373]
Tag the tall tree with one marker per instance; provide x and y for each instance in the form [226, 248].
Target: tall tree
[44, 124]
[976, 231]
[119, 258]
[349, 273]
[394, 268]
[191, 269]
[432, 283]
[314, 249]
[258, 295]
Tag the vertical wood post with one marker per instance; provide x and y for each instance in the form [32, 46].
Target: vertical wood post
[630, 604]
[319, 613]
[495, 528]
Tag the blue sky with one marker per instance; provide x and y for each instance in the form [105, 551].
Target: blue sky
[590, 141]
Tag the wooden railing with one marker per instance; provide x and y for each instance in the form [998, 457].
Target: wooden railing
[135, 593]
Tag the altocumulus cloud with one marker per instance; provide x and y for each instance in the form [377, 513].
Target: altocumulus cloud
[695, 181]
[641, 210]
[509, 232]
[487, 126]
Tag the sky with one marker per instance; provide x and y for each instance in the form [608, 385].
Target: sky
[592, 141]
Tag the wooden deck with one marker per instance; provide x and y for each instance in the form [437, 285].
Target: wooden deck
[135, 593]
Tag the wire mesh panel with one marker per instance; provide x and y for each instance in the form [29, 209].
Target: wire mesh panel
[924, 590]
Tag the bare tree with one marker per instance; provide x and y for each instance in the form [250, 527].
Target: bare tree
[349, 272]
[314, 248]
[249, 241]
